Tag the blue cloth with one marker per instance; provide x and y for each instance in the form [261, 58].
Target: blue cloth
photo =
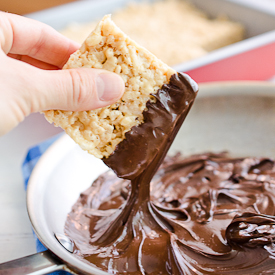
[30, 161]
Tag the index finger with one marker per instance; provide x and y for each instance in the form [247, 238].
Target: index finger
[29, 37]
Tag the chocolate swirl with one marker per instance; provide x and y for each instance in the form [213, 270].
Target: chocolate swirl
[251, 230]
[208, 214]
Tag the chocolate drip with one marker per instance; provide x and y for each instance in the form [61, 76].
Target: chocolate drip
[151, 141]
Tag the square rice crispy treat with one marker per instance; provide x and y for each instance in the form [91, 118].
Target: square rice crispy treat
[107, 47]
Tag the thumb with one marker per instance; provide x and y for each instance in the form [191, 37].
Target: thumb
[76, 89]
[25, 89]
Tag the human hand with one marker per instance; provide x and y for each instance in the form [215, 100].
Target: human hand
[31, 54]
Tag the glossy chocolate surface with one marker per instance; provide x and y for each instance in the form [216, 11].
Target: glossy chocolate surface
[207, 214]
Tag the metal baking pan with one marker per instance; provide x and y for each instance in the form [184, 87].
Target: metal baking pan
[250, 59]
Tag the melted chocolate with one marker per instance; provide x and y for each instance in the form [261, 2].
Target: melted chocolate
[208, 214]
[186, 226]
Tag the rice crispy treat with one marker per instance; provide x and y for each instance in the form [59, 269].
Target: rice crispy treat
[187, 32]
[107, 47]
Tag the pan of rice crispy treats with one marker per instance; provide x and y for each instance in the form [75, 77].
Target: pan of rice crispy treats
[211, 40]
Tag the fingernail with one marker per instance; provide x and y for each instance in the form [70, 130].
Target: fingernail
[109, 86]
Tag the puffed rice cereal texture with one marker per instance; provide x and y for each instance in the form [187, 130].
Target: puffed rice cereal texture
[107, 47]
[177, 25]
